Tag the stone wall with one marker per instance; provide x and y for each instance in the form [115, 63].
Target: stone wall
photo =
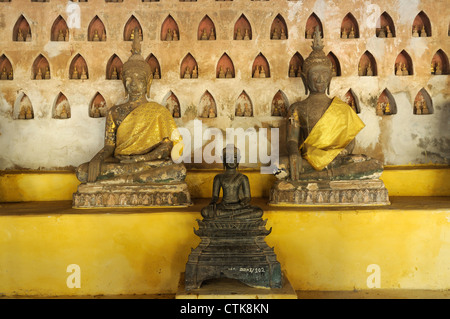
[55, 139]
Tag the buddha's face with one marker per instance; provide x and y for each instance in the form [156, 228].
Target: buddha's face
[230, 159]
[318, 78]
[135, 83]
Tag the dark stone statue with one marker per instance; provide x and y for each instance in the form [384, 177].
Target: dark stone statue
[232, 235]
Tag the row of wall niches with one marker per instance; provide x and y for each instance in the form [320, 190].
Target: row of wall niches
[225, 69]
[207, 106]
[421, 27]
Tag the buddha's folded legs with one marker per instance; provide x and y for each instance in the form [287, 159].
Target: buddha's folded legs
[216, 212]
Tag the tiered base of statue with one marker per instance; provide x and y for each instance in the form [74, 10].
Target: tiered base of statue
[97, 195]
[235, 249]
[363, 192]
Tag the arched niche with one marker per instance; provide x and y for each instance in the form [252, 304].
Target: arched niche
[260, 67]
[336, 66]
[385, 27]
[367, 65]
[439, 63]
[242, 29]
[188, 68]
[170, 30]
[128, 30]
[154, 66]
[40, 69]
[225, 68]
[386, 104]
[351, 99]
[114, 68]
[61, 107]
[96, 30]
[280, 104]
[207, 106]
[295, 65]
[78, 69]
[311, 24]
[403, 64]
[6, 69]
[97, 107]
[421, 26]
[244, 106]
[22, 30]
[206, 29]
[23, 109]
[423, 104]
[278, 30]
[59, 30]
[349, 27]
[172, 103]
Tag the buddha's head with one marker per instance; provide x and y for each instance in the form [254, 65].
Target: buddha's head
[317, 68]
[136, 73]
[231, 156]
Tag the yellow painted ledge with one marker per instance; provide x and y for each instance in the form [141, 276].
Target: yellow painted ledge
[143, 251]
[19, 186]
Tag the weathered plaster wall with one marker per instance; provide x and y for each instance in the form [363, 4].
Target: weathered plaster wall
[44, 142]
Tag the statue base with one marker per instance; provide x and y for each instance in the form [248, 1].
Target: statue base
[102, 195]
[234, 249]
[365, 192]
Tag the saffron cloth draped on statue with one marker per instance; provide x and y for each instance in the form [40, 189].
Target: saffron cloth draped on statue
[336, 128]
[144, 128]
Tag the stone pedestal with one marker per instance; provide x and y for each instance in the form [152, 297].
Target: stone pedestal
[100, 195]
[233, 249]
[365, 192]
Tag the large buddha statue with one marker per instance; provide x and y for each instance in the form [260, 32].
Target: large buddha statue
[320, 167]
[136, 165]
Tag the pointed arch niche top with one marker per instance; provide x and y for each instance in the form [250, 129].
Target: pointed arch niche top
[6, 69]
[260, 68]
[403, 64]
[423, 104]
[23, 109]
[169, 30]
[22, 30]
[97, 107]
[242, 29]
[60, 30]
[311, 24]
[225, 68]
[155, 68]
[349, 27]
[439, 63]
[114, 68]
[128, 30]
[78, 69]
[244, 106]
[96, 30]
[278, 30]
[295, 65]
[189, 67]
[206, 29]
[421, 26]
[385, 27]
[40, 69]
[367, 65]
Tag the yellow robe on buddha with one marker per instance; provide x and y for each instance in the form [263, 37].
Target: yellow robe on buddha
[337, 127]
[145, 127]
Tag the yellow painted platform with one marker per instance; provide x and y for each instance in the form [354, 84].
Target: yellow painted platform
[142, 251]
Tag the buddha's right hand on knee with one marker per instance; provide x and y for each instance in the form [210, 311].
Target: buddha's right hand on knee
[94, 170]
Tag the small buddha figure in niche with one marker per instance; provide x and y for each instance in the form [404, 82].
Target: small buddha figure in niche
[235, 203]
[20, 36]
[64, 114]
[299, 71]
[228, 74]
[29, 113]
[283, 34]
[404, 69]
[312, 121]
[239, 111]
[379, 109]
[75, 73]
[211, 112]
[351, 35]
[398, 69]
[187, 73]
[156, 75]
[10, 75]
[382, 33]
[360, 70]
[309, 33]
[221, 73]
[22, 113]
[95, 37]
[114, 75]
[134, 153]
[131, 35]
[276, 110]
[212, 35]
[238, 35]
[415, 32]
[344, 34]
[246, 35]
[369, 71]
[352, 104]
[387, 109]
[205, 111]
[176, 111]
[61, 35]
[175, 35]
[424, 107]
[96, 113]
[256, 73]
[388, 32]
[262, 72]
[423, 33]
[83, 74]
[194, 72]
[47, 73]
[4, 75]
[291, 71]
[417, 107]
[275, 34]
[432, 67]
[204, 35]
[39, 74]
[247, 110]
[438, 70]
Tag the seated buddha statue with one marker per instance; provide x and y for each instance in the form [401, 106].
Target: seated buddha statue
[235, 203]
[321, 130]
[141, 138]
